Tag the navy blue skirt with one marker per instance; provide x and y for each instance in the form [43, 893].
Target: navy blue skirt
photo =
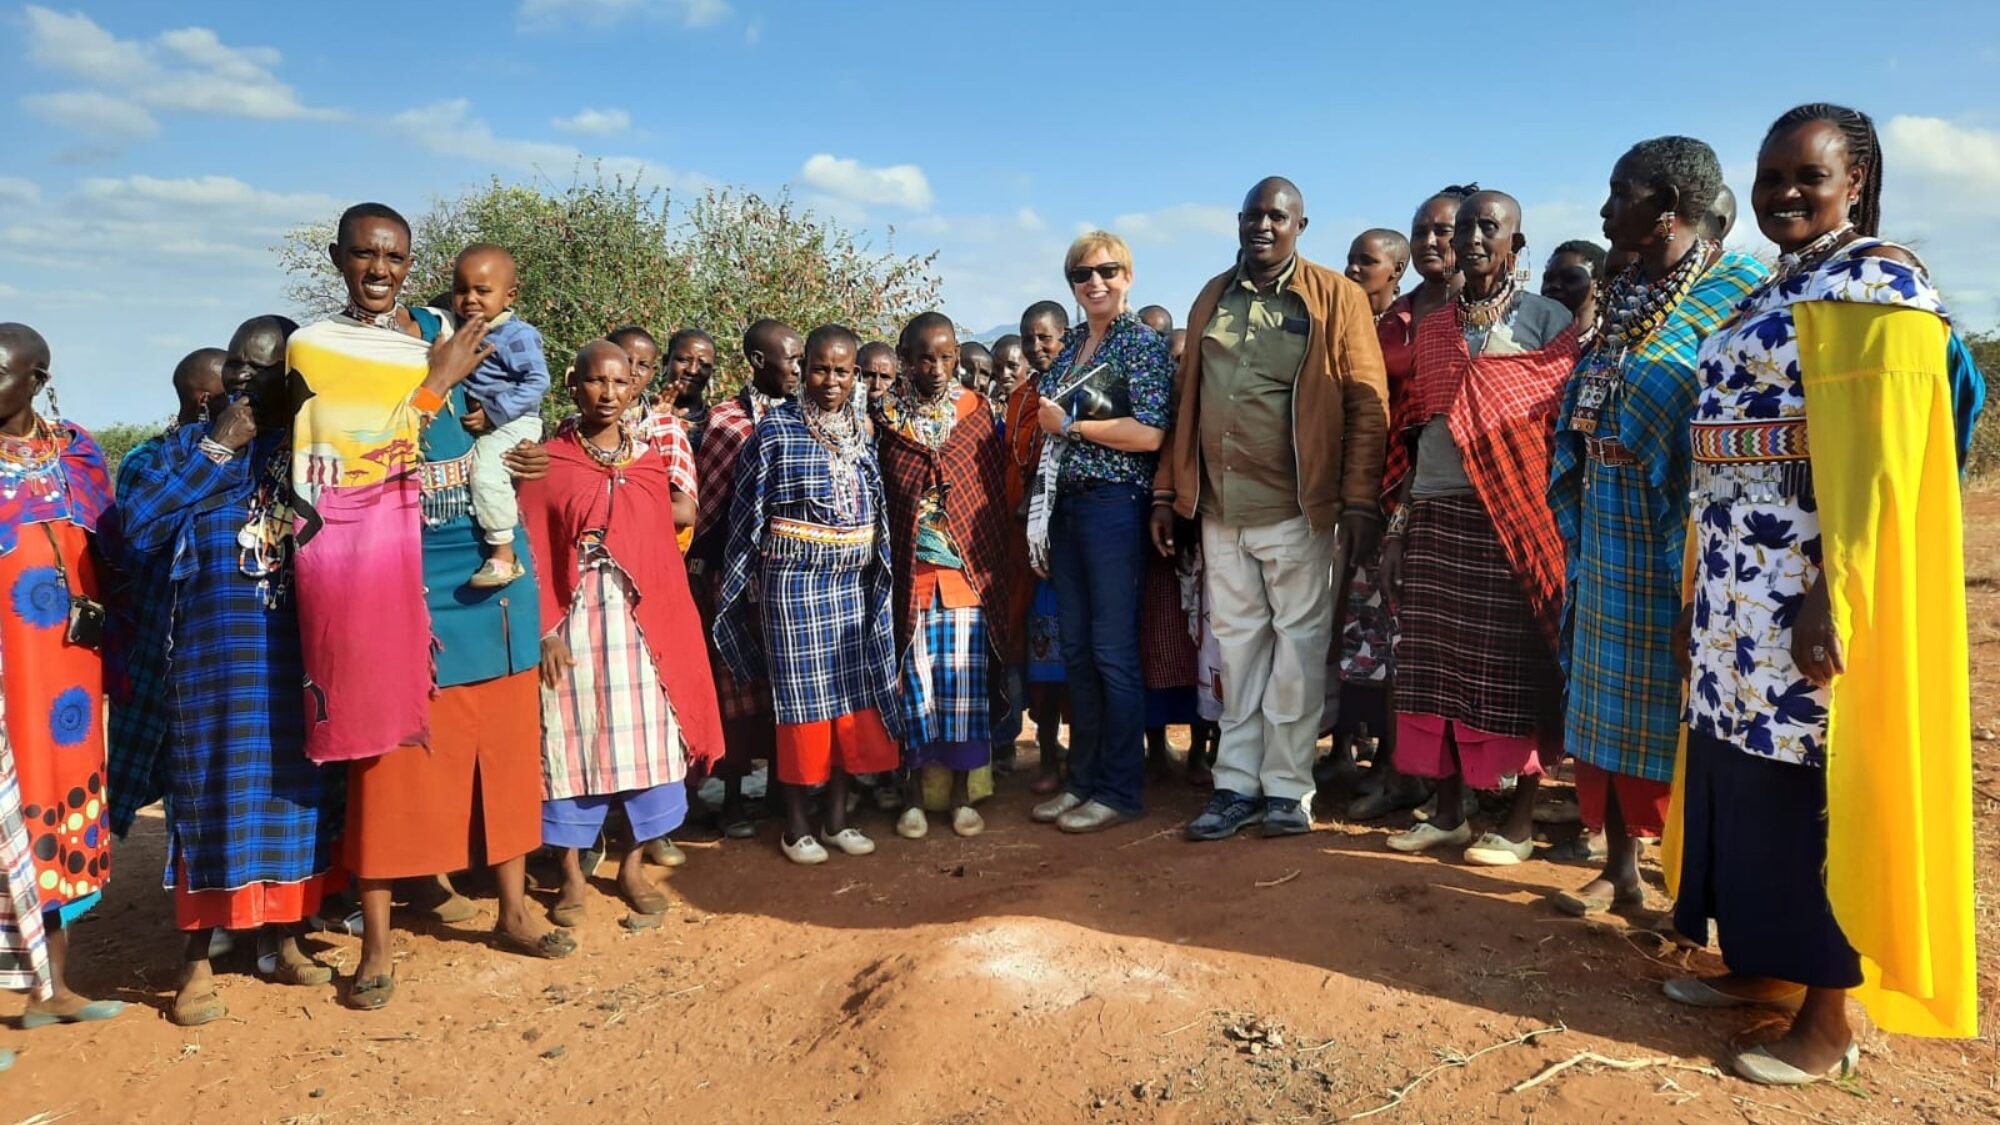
[1754, 860]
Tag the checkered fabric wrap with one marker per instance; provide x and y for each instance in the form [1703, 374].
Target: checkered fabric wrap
[249, 806]
[1166, 648]
[725, 432]
[24, 955]
[136, 762]
[1624, 528]
[1469, 651]
[1502, 410]
[969, 469]
[820, 627]
[608, 727]
[944, 685]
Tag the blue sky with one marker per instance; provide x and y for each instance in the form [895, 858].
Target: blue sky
[156, 152]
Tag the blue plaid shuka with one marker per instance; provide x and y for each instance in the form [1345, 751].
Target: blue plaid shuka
[248, 807]
[1620, 498]
[945, 695]
[806, 585]
[136, 759]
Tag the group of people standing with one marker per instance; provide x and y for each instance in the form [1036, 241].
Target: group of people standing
[1663, 520]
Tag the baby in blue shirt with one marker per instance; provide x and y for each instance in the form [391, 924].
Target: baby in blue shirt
[508, 386]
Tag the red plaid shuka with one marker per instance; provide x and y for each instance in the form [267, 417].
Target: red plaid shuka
[1399, 359]
[969, 469]
[1502, 413]
[1168, 657]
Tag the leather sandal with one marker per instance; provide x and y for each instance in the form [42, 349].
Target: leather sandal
[372, 994]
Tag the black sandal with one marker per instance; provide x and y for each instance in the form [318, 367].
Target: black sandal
[372, 994]
[552, 946]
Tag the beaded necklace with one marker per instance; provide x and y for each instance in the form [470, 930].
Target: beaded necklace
[1633, 308]
[368, 319]
[1486, 311]
[839, 432]
[613, 458]
[931, 419]
[33, 463]
[1808, 257]
[265, 542]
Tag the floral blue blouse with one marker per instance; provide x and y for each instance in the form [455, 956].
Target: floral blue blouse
[1757, 524]
[1149, 371]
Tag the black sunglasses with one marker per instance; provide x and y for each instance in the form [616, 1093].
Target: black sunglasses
[1106, 270]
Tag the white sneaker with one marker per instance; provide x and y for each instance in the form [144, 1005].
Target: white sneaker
[913, 824]
[807, 851]
[1425, 836]
[851, 842]
[966, 821]
[1049, 810]
[1495, 850]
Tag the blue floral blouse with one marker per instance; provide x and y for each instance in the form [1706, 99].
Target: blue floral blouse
[1758, 525]
[1149, 370]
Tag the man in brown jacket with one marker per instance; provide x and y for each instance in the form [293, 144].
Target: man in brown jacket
[1280, 422]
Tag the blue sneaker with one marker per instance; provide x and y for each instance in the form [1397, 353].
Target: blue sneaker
[1285, 817]
[1227, 814]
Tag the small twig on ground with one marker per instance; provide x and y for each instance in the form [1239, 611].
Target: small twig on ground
[1452, 1060]
[1280, 880]
[1146, 839]
[1194, 1021]
[1741, 1102]
[1553, 1069]
[1316, 1049]
[684, 992]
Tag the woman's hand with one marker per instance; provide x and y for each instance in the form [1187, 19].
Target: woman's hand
[1390, 572]
[527, 461]
[1051, 416]
[1815, 642]
[556, 661]
[453, 360]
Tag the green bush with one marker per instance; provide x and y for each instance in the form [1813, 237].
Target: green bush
[119, 438]
[598, 254]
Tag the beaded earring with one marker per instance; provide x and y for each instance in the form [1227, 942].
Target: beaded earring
[55, 409]
[1665, 227]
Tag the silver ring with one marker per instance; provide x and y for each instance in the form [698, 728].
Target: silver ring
[1819, 653]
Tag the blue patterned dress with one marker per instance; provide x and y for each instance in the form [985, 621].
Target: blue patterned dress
[1759, 548]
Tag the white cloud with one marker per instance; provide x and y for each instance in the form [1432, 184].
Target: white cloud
[1941, 194]
[595, 122]
[14, 189]
[189, 70]
[146, 218]
[1170, 224]
[604, 13]
[899, 185]
[1029, 220]
[7, 290]
[94, 112]
[451, 129]
[753, 32]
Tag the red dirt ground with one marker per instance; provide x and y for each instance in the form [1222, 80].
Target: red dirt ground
[1022, 975]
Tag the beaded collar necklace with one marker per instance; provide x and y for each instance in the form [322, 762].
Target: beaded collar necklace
[1812, 253]
[33, 462]
[612, 458]
[1486, 311]
[368, 319]
[1633, 308]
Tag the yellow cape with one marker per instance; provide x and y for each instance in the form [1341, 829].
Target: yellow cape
[1899, 745]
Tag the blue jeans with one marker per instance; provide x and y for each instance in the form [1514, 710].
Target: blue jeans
[1097, 561]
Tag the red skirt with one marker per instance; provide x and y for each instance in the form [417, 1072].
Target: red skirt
[474, 796]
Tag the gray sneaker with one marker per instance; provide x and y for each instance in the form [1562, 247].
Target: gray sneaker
[1285, 817]
[1227, 814]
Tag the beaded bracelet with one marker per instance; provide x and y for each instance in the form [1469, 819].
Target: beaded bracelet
[216, 451]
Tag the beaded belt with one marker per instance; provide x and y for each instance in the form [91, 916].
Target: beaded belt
[1607, 452]
[804, 532]
[1743, 443]
[439, 475]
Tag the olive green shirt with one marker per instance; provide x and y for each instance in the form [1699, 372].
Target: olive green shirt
[1250, 360]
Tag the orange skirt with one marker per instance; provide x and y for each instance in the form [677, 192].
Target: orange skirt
[474, 796]
[808, 753]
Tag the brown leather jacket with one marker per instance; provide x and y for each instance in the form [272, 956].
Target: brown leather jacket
[1340, 404]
